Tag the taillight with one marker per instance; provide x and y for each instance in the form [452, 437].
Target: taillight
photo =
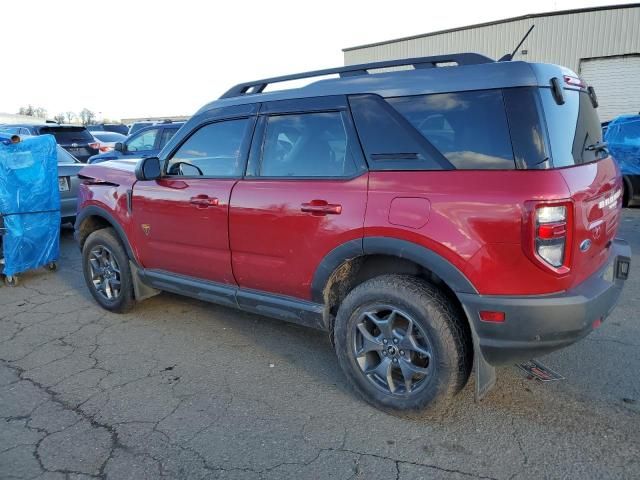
[551, 234]
[105, 148]
[548, 234]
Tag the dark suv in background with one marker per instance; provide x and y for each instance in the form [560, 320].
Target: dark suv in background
[145, 142]
[75, 139]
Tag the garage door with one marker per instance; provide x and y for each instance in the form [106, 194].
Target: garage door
[617, 83]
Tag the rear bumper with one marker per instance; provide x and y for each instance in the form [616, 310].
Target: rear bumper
[536, 325]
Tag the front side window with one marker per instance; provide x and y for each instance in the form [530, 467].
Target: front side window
[144, 141]
[212, 151]
[306, 145]
[469, 129]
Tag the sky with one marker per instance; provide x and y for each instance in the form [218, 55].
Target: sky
[141, 58]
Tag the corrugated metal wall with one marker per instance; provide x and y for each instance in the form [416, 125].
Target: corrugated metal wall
[562, 39]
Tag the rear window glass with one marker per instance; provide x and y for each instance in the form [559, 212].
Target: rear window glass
[469, 128]
[109, 136]
[574, 128]
[68, 134]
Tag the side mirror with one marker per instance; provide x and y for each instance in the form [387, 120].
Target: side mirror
[120, 147]
[148, 169]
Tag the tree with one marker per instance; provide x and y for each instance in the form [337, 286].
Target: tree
[32, 111]
[59, 118]
[40, 112]
[28, 110]
[70, 116]
[87, 117]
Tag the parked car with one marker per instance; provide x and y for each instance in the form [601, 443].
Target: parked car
[623, 140]
[145, 143]
[135, 126]
[110, 127]
[107, 140]
[68, 181]
[76, 140]
[427, 218]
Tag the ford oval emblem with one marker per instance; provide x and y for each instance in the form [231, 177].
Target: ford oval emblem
[585, 245]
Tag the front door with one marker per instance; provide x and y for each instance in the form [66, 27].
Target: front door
[304, 194]
[181, 220]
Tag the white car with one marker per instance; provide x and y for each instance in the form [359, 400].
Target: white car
[107, 140]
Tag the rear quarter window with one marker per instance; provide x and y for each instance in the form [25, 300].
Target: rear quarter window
[469, 129]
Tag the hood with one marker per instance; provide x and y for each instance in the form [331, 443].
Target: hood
[115, 172]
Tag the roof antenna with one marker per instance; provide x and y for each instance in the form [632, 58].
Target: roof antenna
[509, 56]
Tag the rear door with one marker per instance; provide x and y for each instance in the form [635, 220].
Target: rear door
[181, 220]
[304, 194]
[591, 174]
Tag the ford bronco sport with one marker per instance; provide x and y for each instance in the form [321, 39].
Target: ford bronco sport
[460, 212]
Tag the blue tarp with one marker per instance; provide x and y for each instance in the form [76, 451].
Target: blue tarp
[29, 203]
[623, 139]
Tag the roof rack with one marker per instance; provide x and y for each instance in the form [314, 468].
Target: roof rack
[258, 86]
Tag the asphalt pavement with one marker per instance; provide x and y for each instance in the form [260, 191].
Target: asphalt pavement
[183, 389]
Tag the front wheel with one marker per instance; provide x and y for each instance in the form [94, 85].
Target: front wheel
[106, 271]
[402, 344]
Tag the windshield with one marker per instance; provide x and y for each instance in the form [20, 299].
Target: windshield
[65, 157]
[574, 129]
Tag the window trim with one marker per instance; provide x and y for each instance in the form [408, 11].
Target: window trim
[257, 146]
[244, 148]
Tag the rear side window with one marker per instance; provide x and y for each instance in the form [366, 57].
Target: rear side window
[306, 145]
[469, 129]
[66, 135]
[574, 128]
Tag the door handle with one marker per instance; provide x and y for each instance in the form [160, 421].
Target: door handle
[321, 207]
[204, 201]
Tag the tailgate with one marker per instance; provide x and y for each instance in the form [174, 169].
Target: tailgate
[596, 189]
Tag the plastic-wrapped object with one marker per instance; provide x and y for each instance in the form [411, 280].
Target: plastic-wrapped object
[623, 139]
[29, 203]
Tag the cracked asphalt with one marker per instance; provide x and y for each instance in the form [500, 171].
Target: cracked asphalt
[183, 389]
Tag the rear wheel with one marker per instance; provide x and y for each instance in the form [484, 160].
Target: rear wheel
[401, 344]
[106, 271]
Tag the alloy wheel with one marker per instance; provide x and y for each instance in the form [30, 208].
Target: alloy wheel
[392, 350]
[105, 272]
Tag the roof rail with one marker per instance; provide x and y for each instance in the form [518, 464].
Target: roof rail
[258, 86]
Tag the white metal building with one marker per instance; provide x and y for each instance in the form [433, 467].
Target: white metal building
[602, 44]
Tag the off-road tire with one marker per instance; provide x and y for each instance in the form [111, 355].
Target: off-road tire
[108, 238]
[439, 319]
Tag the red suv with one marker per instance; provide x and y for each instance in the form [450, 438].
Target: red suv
[463, 211]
